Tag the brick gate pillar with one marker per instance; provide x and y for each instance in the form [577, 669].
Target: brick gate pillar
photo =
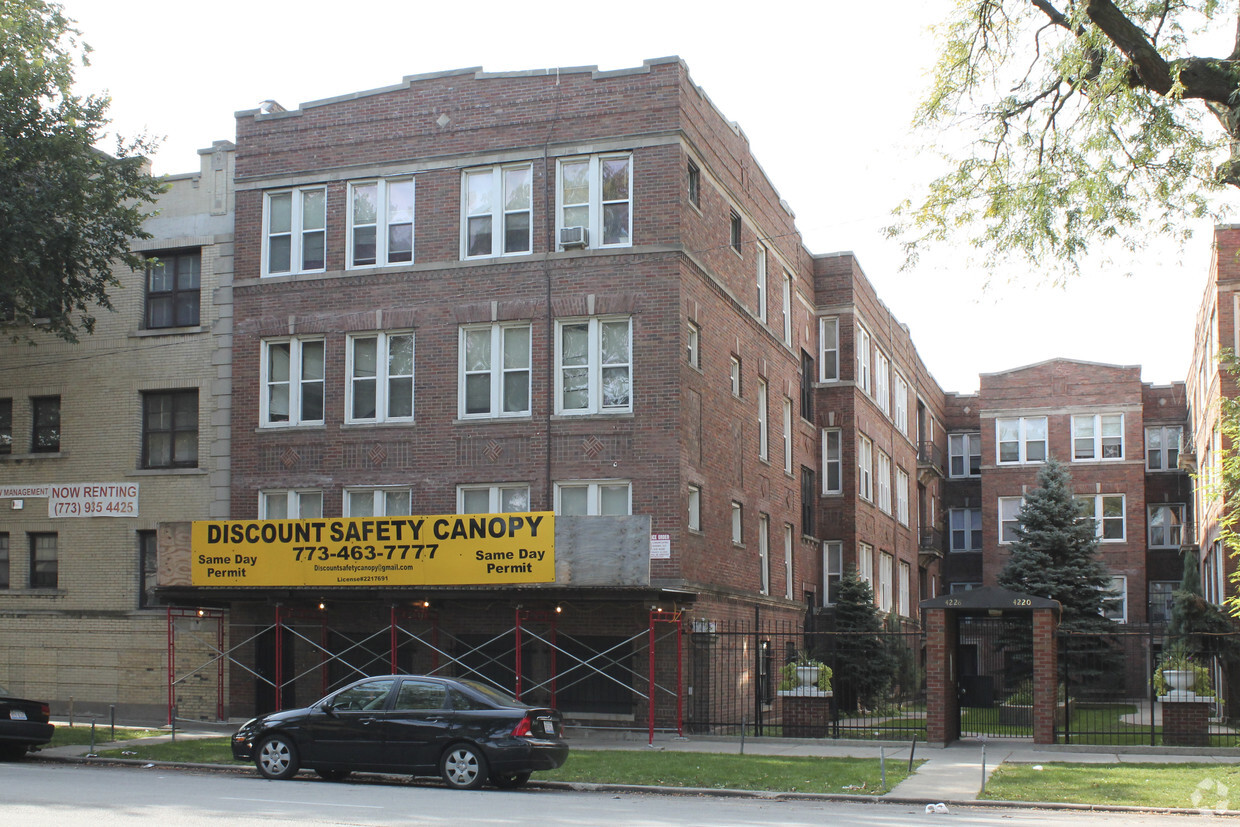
[1045, 675]
[942, 705]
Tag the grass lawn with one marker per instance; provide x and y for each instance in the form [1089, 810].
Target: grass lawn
[1147, 785]
[64, 736]
[189, 750]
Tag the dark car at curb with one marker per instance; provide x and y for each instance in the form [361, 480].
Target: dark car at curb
[464, 731]
[23, 724]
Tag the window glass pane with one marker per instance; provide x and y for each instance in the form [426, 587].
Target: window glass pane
[400, 243]
[275, 505]
[279, 254]
[280, 213]
[364, 245]
[575, 347]
[615, 179]
[515, 499]
[574, 183]
[400, 356]
[517, 189]
[478, 393]
[517, 347]
[400, 202]
[313, 209]
[365, 359]
[312, 251]
[613, 500]
[365, 204]
[310, 504]
[312, 361]
[615, 387]
[475, 500]
[361, 503]
[615, 223]
[517, 232]
[615, 342]
[479, 228]
[574, 501]
[396, 503]
[516, 391]
[400, 397]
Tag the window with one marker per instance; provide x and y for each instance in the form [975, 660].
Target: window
[902, 496]
[787, 561]
[293, 378]
[290, 505]
[760, 278]
[786, 304]
[807, 386]
[807, 501]
[905, 575]
[882, 381]
[295, 224]
[495, 370]
[832, 465]
[885, 576]
[497, 210]
[695, 185]
[377, 502]
[787, 435]
[763, 436]
[863, 359]
[1115, 607]
[695, 508]
[865, 563]
[957, 588]
[380, 378]
[764, 553]
[865, 468]
[1162, 448]
[734, 231]
[1021, 439]
[900, 393]
[594, 366]
[44, 561]
[1166, 526]
[380, 222]
[492, 499]
[1098, 436]
[965, 525]
[964, 452]
[734, 375]
[1107, 512]
[605, 498]
[832, 569]
[694, 339]
[148, 565]
[172, 283]
[829, 348]
[595, 193]
[1161, 598]
[5, 583]
[1009, 519]
[170, 429]
[6, 426]
[45, 431]
[883, 466]
[738, 536]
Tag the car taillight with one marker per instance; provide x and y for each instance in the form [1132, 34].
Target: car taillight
[523, 728]
[46, 710]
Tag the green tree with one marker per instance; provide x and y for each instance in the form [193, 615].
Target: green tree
[1093, 120]
[1197, 627]
[864, 666]
[68, 212]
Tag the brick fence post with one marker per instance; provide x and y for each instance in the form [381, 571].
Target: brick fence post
[1045, 675]
[942, 709]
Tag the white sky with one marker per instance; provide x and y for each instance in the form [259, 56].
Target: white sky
[824, 91]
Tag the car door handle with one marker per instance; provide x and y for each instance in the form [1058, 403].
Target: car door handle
[367, 721]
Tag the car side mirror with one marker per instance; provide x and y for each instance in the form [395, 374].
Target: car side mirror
[329, 708]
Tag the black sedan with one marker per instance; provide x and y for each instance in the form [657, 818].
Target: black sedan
[462, 730]
[23, 724]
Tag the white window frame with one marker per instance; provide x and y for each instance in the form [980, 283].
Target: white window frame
[1098, 515]
[1023, 440]
[1172, 529]
[497, 210]
[787, 425]
[968, 522]
[596, 205]
[379, 499]
[829, 349]
[382, 379]
[906, 575]
[902, 496]
[864, 355]
[297, 233]
[693, 351]
[760, 278]
[738, 524]
[832, 570]
[764, 553]
[883, 473]
[764, 437]
[1167, 434]
[695, 508]
[296, 382]
[832, 458]
[498, 372]
[496, 493]
[734, 375]
[900, 395]
[882, 381]
[1089, 429]
[1119, 614]
[295, 501]
[1005, 503]
[383, 223]
[594, 367]
[865, 468]
[865, 563]
[788, 561]
[886, 576]
[594, 490]
[786, 296]
[964, 447]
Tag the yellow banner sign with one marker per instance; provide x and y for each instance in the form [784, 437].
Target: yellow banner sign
[448, 550]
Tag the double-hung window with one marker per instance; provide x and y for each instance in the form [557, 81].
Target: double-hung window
[172, 284]
[1009, 519]
[290, 505]
[380, 378]
[605, 498]
[863, 358]
[865, 468]
[694, 184]
[1021, 439]
[44, 561]
[787, 308]
[693, 345]
[1115, 606]
[292, 381]
[377, 502]
[882, 381]
[734, 375]
[764, 553]
[886, 567]
[45, 424]
[695, 508]
[1166, 526]
[906, 575]
[6, 426]
[807, 501]
[787, 561]
[760, 278]
[883, 467]
[1097, 436]
[832, 570]
[295, 231]
[829, 348]
[832, 464]
[964, 453]
[965, 525]
[170, 429]
[738, 524]
[594, 365]
[1107, 512]
[787, 435]
[865, 563]
[497, 211]
[495, 370]
[902, 513]
[380, 222]
[595, 193]
[1162, 447]
[900, 394]
[492, 499]
[763, 422]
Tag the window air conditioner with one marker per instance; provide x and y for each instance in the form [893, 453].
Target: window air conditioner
[574, 237]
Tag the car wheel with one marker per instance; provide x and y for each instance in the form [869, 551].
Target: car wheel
[510, 780]
[12, 752]
[463, 767]
[276, 758]
[333, 775]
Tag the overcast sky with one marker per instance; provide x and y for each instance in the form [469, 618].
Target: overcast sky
[824, 91]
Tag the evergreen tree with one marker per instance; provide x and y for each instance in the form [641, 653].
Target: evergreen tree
[864, 667]
[1197, 627]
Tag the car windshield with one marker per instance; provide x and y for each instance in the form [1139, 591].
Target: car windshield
[492, 694]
